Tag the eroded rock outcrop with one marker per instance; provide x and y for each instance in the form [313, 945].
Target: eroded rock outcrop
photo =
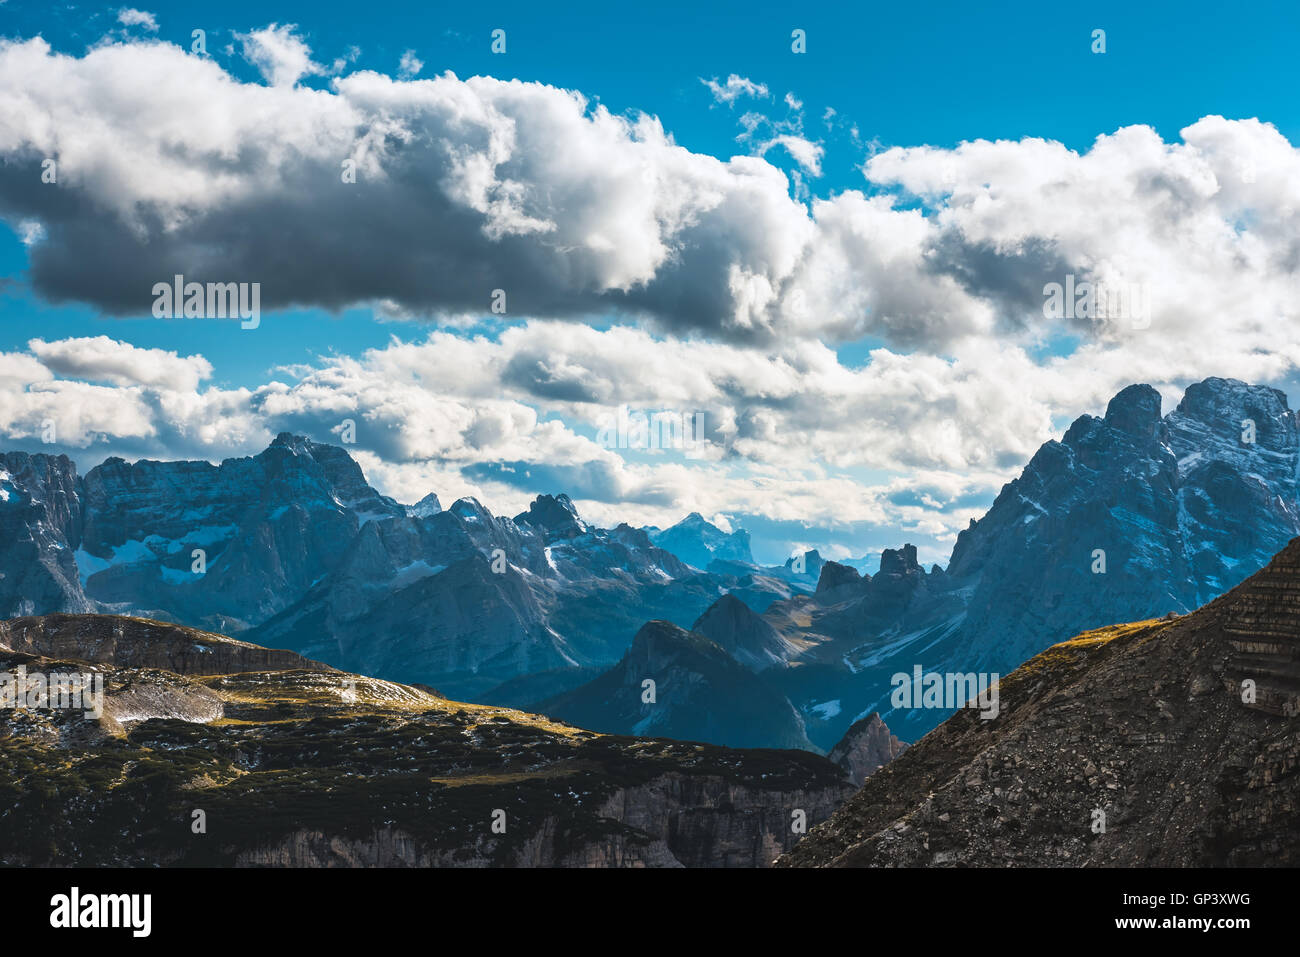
[865, 748]
[141, 643]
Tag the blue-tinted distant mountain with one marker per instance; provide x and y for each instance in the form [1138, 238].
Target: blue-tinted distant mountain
[267, 527]
[292, 547]
[804, 568]
[465, 600]
[698, 693]
[1129, 516]
[554, 516]
[40, 528]
[429, 505]
[697, 541]
[219, 546]
[744, 634]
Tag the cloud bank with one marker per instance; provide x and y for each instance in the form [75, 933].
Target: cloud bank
[463, 187]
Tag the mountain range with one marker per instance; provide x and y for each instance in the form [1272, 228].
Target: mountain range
[292, 548]
[1130, 515]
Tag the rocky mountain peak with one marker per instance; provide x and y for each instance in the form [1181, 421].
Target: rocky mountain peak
[469, 509]
[810, 560]
[659, 644]
[691, 676]
[297, 444]
[429, 505]
[899, 561]
[1206, 399]
[313, 465]
[1249, 425]
[554, 514]
[867, 746]
[834, 575]
[698, 542]
[742, 633]
[1135, 410]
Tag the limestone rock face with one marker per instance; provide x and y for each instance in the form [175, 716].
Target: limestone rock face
[1131, 745]
[140, 643]
[267, 527]
[40, 528]
[865, 748]
[1261, 619]
[838, 580]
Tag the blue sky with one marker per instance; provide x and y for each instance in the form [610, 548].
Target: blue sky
[905, 76]
[933, 73]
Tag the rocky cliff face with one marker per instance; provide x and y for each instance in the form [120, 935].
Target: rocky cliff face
[309, 767]
[838, 580]
[866, 748]
[1163, 743]
[267, 527]
[40, 528]
[141, 643]
[672, 821]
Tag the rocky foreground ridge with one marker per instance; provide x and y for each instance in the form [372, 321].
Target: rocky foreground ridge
[1171, 742]
[294, 764]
